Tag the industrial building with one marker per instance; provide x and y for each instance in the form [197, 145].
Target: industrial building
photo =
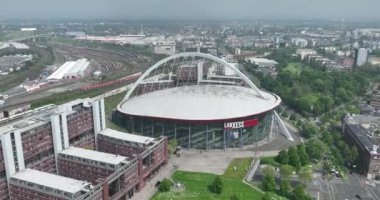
[362, 131]
[55, 140]
[71, 70]
[178, 98]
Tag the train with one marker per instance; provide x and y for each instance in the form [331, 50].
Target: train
[132, 77]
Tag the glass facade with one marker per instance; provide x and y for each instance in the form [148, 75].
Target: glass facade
[208, 135]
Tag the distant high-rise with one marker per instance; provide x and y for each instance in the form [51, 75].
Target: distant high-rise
[361, 56]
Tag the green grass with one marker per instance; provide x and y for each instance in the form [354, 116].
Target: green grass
[242, 166]
[270, 160]
[67, 96]
[110, 104]
[308, 168]
[295, 68]
[196, 188]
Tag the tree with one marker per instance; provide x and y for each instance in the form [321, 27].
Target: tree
[304, 158]
[267, 196]
[305, 175]
[300, 194]
[308, 129]
[338, 158]
[283, 157]
[327, 165]
[293, 117]
[353, 154]
[268, 170]
[286, 171]
[165, 185]
[315, 149]
[269, 182]
[327, 138]
[285, 188]
[294, 159]
[285, 114]
[234, 197]
[173, 143]
[217, 185]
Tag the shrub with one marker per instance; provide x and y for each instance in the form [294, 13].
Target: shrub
[217, 185]
[165, 185]
[234, 197]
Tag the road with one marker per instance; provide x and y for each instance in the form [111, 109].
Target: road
[338, 189]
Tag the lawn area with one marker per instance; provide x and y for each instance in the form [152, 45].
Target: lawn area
[270, 160]
[196, 188]
[295, 68]
[242, 165]
[110, 104]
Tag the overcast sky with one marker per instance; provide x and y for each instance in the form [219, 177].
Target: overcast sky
[191, 9]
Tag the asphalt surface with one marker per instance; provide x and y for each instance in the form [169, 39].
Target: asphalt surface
[354, 188]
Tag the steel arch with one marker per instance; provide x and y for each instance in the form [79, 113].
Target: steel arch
[193, 54]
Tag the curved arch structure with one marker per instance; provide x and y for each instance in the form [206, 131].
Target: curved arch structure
[202, 101]
[193, 54]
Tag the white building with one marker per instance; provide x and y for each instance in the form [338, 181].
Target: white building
[237, 51]
[71, 70]
[305, 52]
[262, 62]
[300, 42]
[230, 60]
[361, 56]
[28, 29]
[165, 47]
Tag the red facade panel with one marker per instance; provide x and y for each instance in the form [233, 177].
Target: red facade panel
[3, 189]
[82, 171]
[20, 193]
[158, 154]
[80, 127]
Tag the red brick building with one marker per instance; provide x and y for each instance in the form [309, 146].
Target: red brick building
[33, 184]
[40, 140]
[150, 153]
[119, 173]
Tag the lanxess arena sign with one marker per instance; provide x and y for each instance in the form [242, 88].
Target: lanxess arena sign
[241, 124]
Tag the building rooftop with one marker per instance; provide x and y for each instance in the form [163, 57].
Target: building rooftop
[64, 184]
[262, 61]
[62, 70]
[69, 68]
[27, 120]
[200, 102]
[364, 127]
[36, 117]
[94, 155]
[127, 136]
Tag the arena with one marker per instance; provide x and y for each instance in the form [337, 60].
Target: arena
[202, 101]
